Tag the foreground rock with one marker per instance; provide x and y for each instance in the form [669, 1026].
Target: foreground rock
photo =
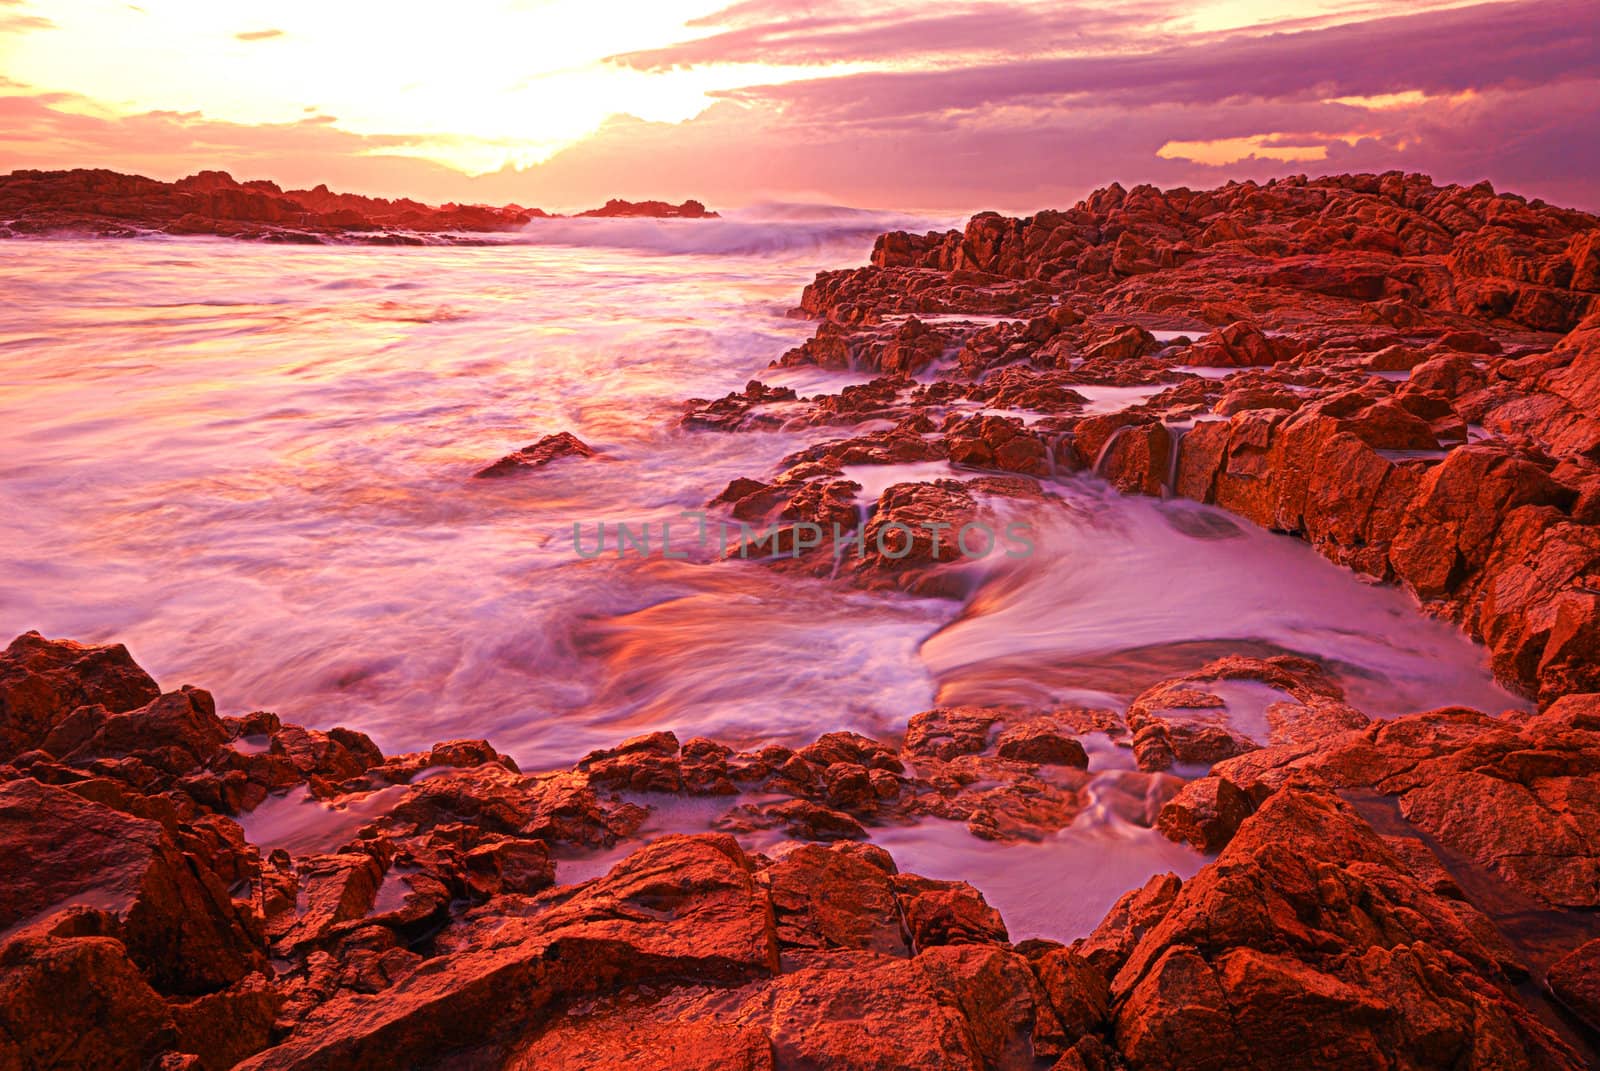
[149, 930]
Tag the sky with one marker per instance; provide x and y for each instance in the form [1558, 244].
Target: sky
[879, 103]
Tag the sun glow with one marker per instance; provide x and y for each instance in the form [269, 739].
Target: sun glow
[1231, 150]
[488, 83]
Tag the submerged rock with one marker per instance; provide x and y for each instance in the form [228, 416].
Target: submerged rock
[548, 449]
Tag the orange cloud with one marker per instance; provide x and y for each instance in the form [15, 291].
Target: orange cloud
[258, 35]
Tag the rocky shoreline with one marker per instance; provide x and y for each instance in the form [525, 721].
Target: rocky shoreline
[1406, 376]
[107, 204]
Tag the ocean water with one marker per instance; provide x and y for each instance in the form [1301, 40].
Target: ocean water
[252, 464]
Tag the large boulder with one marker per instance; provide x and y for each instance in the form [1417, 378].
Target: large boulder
[172, 912]
[43, 681]
[1309, 941]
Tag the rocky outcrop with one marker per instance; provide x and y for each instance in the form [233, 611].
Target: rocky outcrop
[656, 209]
[149, 930]
[1309, 940]
[106, 203]
[1402, 374]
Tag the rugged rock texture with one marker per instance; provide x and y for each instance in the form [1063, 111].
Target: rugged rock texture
[1406, 377]
[548, 449]
[110, 204]
[148, 929]
[658, 209]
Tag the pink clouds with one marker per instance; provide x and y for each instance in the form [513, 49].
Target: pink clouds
[1505, 91]
[984, 105]
[767, 32]
[36, 131]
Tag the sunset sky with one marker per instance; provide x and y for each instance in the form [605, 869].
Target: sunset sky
[907, 105]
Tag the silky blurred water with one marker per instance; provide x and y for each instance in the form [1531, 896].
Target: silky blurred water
[252, 463]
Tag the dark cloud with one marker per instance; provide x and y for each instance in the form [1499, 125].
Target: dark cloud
[1440, 52]
[764, 32]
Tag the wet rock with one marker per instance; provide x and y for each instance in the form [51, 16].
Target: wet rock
[947, 732]
[174, 915]
[997, 443]
[1041, 740]
[1575, 980]
[77, 1002]
[1205, 814]
[1308, 935]
[1137, 459]
[335, 755]
[643, 764]
[548, 449]
[43, 681]
[812, 821]
[842, 896]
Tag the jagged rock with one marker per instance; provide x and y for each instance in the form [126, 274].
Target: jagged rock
[174, 915]
[548, 449]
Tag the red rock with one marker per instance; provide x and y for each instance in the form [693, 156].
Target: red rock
[1076, 991]
[681, 908]
[1205, 814]
[1575, 980]
[175, 916]
[913, 532]
[947, 913]
[1043, 742]
[176, 732]
[842, 896]
[997, 443]
[1125, 342]
[332, 889]
[856, 1011]
[1108, 947]
[598, 1043]
[1449, 530]
[43, 681]
[912, 348]
[643, 764]
[211, 202]
[658, 209]
[947, 732]
[1308, 936]
[224, 1028]
[548, 449]
[77, 1002]
[1238, 345]
[1137, 459]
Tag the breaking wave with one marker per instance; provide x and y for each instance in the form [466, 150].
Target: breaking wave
[756, 230]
